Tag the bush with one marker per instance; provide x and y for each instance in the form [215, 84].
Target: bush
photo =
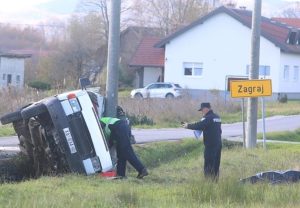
[140, 120]
[283, 98]
[40, 85]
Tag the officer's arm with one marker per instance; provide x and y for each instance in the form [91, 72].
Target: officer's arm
[201, 125]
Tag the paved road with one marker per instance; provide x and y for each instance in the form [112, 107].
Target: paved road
[230, 131]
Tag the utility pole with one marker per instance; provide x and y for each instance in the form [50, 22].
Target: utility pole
[112, 80]
[251, 135]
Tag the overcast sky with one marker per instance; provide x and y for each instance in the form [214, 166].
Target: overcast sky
[269, 7]
[35, 11]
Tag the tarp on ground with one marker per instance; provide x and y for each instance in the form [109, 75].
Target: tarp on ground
[274, 177]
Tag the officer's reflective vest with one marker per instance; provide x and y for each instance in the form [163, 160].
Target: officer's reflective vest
[108, 121]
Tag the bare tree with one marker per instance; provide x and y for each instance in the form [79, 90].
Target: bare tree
[101, 7]
[168, 15]
[292, 11]
[75, 56]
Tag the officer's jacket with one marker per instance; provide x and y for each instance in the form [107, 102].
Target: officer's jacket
[210, 124]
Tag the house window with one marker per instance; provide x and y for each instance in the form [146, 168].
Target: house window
[193, 69]
[264, 70]
[18, 79]
[296, 74]
[4, 77]
[286, 72]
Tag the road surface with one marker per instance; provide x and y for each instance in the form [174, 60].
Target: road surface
[230, 131]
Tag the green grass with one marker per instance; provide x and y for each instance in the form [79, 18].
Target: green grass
[271, 109]
[175, 180]
[292, 107]
[292, 136]
[125, 92]
[6, 130]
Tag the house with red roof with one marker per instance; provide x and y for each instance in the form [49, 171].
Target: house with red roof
[201, 55]
[148, 62]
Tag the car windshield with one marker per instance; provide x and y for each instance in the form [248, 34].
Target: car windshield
[152, 86]
[177, 85]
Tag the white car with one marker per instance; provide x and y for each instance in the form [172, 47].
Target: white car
[158, 90]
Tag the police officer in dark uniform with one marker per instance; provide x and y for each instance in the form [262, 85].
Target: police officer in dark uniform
[117, 131]
[122, 115]
[210, 124]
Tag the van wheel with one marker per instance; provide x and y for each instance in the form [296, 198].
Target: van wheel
[33, 110]
[11, 117]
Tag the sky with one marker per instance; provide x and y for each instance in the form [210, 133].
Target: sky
[37, 11]
[269, 7]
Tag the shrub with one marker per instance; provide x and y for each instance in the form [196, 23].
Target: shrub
[283, 98]
[140, 120]
[39, 85]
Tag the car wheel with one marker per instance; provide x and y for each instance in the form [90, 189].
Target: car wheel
[169, 96]
[138, 96]
[33, 110]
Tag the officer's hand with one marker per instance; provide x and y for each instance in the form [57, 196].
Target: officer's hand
[184, 124]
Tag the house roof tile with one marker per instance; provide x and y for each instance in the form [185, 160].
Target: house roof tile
[147, 55]
[272, 30]
[295, 22]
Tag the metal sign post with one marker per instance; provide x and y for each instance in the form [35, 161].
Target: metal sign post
[243, 119]
[263, 122]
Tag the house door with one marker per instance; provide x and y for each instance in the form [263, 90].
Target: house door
[9, 79]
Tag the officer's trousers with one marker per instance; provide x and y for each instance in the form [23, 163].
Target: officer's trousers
[212, 157]
[125, 151]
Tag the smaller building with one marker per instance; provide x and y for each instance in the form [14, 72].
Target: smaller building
[12, 69]
[148, 62]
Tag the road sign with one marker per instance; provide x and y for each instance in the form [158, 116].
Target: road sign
[230, 78]
[250, 88]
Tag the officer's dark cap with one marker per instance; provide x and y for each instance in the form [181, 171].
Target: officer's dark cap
[204, 105]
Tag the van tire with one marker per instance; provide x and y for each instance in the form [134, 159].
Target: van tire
[33, 110]
[11, 117]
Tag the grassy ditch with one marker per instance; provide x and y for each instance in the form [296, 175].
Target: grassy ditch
[175, 180]
[291, 136]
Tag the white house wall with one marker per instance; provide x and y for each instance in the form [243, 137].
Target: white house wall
[151, 74]
[14, 67]
[289, 85]
[222, 44]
